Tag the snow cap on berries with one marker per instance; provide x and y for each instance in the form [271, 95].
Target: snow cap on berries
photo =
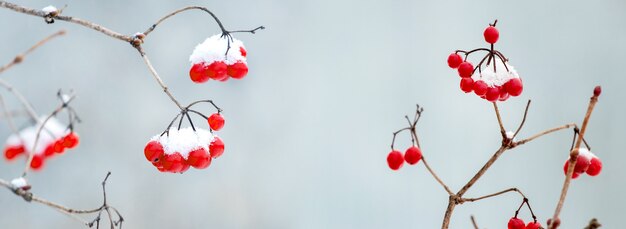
[49, 134]
[184, 140]
[49, 9]
[497, 78]
[214, 49]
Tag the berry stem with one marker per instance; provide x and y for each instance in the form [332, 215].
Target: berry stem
[474, 222]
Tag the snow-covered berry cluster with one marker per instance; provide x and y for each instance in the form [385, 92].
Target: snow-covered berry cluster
[219, 57]
[53, 139]
[586, 162]
[493, 79]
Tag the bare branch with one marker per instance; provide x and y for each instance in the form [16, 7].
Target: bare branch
[523, 120]
[502, 130]
[29, 108]
[20, 57]
[494, 194]
[474, 222]
[158, 78]
[524, 141]
[437, 177]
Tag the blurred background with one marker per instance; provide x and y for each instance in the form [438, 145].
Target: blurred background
[308, 130]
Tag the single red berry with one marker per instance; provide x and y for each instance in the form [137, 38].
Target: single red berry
[159, 164]
[493, 94]
[413, 155]
[454, 60]
[58, 146]
[237, 70]
[185, 168]
[10, 152]
[37, 162]
[503, 95]
[595, 167]
[491, 35]
[466, 69]
[395, 160]
[199, 73]
[597, 91]
[480, 87]
[199, 158]
[216, 121]
[514, 86]
[70, 140]
[574, 175]
[216, 148]
[516, 223]
[533, 225]
[217, 70]
[582, 163]
[49, 150]
[467, 84]
[173, 163]
[243, 51]
[153, 151]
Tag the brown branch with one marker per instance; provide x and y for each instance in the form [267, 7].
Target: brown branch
[29, 108]
[482, 171]
[219, 23]
[157, 77]
[502, 130]
[573, 156]
[524, 141]
[437, 177]
[30, 197]
[20, 57]
[492, 195]
[519, 128]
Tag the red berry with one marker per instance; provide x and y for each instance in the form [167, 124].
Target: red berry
[467, 84]
[595, 167]
[199, 73]
[480, 87]
[516, 223]
[159, 165]
[199, 158]
[173, 163]
[237, 70]
[597, 91]
[582, 163]
[216, 148]
[413, 155]
[493, 94]
[503, 95]
[58, 146]
[491, 35]
[49, 150]
[533, 225]
[216, 121]
[217, 70]
[185, 168]
[574, 175]
[70, 140]
[514, 86]
[243, 51]
[466, 69]
[224, 79]
[37, 162]
[395, 160]
[454, 60]
[10, 152]
[153, 151]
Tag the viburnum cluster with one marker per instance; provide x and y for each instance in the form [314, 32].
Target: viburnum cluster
[219, 57]
[176, 149]
[586, 162]
[53, 139]
[395, 158]
[517, 223]
[497, 80]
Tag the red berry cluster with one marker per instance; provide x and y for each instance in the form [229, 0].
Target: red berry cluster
[52, 141]
[586, 162]
[517, 223]
[413, 154]
[199, 158]
[219, 57]
[489, 83]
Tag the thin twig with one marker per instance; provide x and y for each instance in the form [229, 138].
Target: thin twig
[29, 108]
[493, 194]
[524, 141]
[158, 78]
[474, 222]
[437, 177]
[502, 130]
[523, 120]
[482, 171]
[219, 23]
[20, 57]
[572, 159]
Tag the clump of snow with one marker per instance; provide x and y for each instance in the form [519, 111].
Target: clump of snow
[19, 182]
[584, 152]
[52, 131]
[509, 135]
[214, 49]
[497, 78]
[49, 9]
[184, 140]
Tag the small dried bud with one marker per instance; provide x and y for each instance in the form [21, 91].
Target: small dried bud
[557, 223]
[597, 91]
